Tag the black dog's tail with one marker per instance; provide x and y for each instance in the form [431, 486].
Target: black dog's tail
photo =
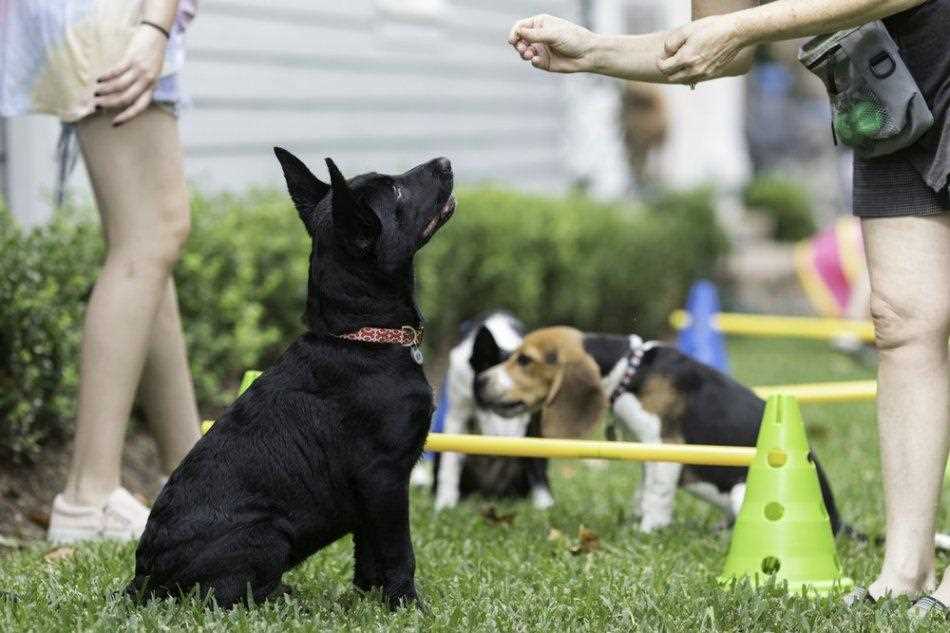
[838, 526]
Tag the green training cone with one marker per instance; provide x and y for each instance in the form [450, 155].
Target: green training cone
[249, 376]
[783, 530]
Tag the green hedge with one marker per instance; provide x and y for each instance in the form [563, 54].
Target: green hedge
[567, 260]
[242, 279]
[786, 202]
[45, 276]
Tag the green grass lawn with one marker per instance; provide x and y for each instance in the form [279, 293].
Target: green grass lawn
[480, 576]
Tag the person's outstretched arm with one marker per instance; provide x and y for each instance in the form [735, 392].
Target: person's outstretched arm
[716, 44]
[704, 49]
[557, 45]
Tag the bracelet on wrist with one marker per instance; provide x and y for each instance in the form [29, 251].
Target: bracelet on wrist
[161, 29]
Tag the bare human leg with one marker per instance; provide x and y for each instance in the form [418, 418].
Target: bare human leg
[909, 265]
[166, 391]
[138, 178]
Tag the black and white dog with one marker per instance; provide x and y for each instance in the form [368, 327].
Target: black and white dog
[655, 391]
[322, 443]
[486, 341]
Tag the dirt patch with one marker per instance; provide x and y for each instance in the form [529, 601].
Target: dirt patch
[27, 491]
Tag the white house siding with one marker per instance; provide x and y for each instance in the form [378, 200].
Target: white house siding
[386, 84]
[28, 171]
[376, 84]
[3, 156]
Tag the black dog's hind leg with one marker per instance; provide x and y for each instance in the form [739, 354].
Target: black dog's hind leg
[366, 573]
[384, 522]
[257, 577]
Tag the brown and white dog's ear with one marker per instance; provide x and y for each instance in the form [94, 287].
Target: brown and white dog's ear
[576, 401]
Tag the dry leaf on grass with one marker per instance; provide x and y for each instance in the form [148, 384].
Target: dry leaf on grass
[568, 472]
[58, 554]
[588, 542]
[39, 518]
[555, 534]
[491, 516]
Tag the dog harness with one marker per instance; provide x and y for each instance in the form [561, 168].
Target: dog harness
[634, 358]
[407, 336]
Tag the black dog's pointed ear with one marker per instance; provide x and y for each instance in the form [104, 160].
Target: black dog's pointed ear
[306, 190]
[485, 351]
[355, 224]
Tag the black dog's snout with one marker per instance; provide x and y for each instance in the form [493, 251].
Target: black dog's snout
[443, 164]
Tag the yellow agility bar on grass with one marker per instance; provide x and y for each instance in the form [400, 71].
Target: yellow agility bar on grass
[590, 449]
[822, 392]
[581, 449]
[782, 326]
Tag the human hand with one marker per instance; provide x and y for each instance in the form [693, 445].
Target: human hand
[701, 50]
[552, 43]
[130, 83]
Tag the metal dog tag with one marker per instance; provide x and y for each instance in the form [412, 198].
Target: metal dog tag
[416, 354]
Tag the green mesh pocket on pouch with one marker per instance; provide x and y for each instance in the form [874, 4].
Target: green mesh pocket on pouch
[860, 118]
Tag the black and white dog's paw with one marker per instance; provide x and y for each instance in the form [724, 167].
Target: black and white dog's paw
[541, 498]
[653, 522]
[446, 498]
[421, 476]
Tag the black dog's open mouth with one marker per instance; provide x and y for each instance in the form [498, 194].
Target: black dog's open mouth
[441, 218]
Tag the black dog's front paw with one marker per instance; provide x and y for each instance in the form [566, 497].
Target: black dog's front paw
[403, 596]
[366, 584]
[282, 590]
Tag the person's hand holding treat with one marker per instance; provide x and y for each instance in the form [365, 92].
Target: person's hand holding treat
[553, 44]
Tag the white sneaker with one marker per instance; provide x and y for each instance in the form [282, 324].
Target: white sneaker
[122, 517]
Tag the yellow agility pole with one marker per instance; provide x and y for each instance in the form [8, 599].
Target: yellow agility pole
[589, 449]
[581, 449]
[823, 392]
[781, 326]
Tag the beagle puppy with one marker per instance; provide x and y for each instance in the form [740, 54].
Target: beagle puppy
[656, 392]
[486, 341]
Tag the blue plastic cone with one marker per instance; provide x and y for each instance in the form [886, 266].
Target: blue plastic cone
[699, 339]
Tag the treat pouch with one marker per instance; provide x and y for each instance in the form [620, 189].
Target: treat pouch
[877, 107]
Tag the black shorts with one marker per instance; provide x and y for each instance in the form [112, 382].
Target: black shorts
[891, 186]
[913, 181]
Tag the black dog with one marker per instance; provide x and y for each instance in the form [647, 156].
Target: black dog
[321, 445]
